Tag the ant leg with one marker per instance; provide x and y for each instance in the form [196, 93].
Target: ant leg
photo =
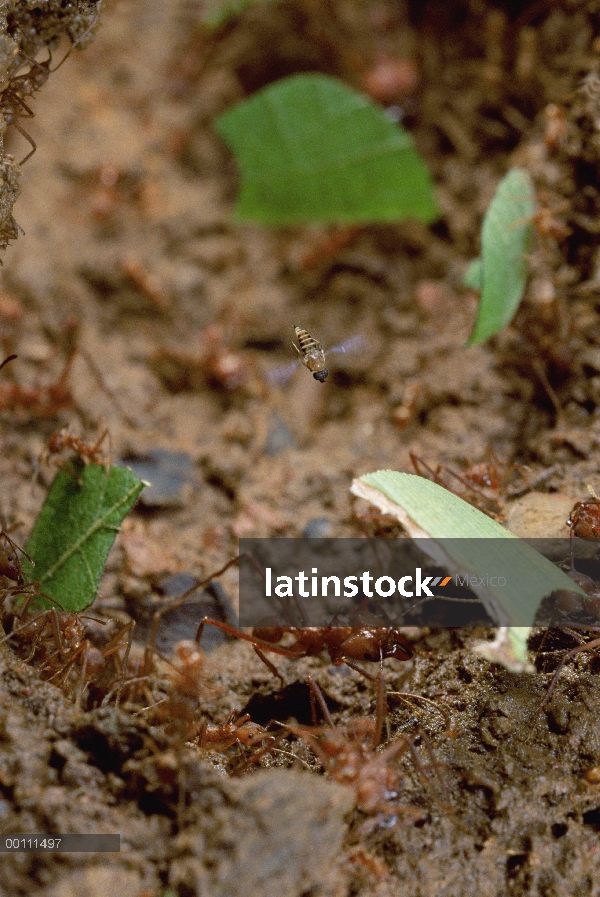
[200, 737]
[253, 639]
[595, 643]
[406, 698]
[113, 646]
[436, 767]
[29, 140]
[315, 692]
[82, 682]
[103, 386]
[265, 749]
[418, 463]
[353, 666]
[381, 709]
[121, 687]
[179, 602]
[268, 664]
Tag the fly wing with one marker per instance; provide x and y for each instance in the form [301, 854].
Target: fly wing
[282, 375]
[354, 344]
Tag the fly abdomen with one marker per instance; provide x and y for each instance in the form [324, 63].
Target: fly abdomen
[307, 343]
[312, 354]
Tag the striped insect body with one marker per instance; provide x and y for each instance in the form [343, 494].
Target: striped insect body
[311, 353]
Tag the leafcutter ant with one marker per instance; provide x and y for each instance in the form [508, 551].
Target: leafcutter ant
[48, 400]
[10, 564]
[216, 365]
[12, 99]
[481, 485]
[344, 644]
[348, 753]
[56, 642]
[584, 519]
[82, 452]
[240, 731]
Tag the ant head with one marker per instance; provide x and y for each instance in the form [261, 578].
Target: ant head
[399, 646]
[321, 376]
[10, 567]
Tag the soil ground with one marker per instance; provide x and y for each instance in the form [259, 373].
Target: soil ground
[127, 213]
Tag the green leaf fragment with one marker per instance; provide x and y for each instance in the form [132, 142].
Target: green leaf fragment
[506, 237]
[509, 649]
[465, 541]
[75, 531]
[473, 274]
[312, 150]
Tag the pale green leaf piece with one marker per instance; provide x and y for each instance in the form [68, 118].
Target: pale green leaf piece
[508, 648]
[473, 274]
[312, 150]
[506, 237]
[75, 530]
[465, 541]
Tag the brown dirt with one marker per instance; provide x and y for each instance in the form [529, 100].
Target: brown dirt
[126, 208]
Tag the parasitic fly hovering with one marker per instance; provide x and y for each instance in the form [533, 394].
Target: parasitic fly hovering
[311, 355]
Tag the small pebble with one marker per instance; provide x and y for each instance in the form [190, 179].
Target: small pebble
[168, 474]
[279, 437]
[182, 622]
[317, 528]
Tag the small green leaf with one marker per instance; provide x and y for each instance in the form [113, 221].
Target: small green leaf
[473, 274]
[311, 149]
[75, 531]
[506, 237]
[465, 541]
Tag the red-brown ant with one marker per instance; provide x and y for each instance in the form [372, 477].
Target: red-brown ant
[63, 439]
[584, 519]
[56, 643]
[180, 710]
[216, 364]
[349, 755]
[481, 485]
[10, 564]
[232, 731]
[188, 683]
[344, 644]
[12, 99]
[48, 400]
[83, 452]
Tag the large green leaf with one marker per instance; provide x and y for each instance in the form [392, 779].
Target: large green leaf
[505, 242]
[464, 540]
[311, 149]
[75, 531]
